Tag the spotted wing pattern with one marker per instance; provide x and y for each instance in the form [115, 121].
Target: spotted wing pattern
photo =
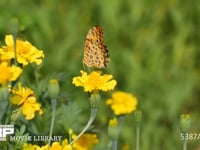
[95, 52]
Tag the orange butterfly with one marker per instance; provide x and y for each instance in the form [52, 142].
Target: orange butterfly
[95, 52]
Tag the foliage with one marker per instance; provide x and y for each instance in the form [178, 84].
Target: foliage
[154, 50]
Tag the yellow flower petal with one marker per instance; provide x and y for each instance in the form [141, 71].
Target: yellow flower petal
[9, 40]
[56, 146]
[8, 73]
[27, 146]
[85, 142]
[30, 107]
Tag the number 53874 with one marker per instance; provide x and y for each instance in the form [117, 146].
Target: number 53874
[190, 136]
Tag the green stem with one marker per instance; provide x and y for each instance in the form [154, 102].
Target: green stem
[184, 144]
[114, 144]
[53, 103]
[15, 48]
[7, 113]
[14, 28]
[92, 117]
[120, 122]
[138, 137]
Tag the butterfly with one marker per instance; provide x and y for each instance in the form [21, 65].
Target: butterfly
[95, 52]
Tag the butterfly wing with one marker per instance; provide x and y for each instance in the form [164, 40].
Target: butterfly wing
[95, 52]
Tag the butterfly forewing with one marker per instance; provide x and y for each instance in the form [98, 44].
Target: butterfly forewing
[95, 52]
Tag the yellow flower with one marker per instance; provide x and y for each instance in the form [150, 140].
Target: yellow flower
[26, 53]
[45, 147]
[27, 146]
[66, 145]
[8, 73]
[25, 98]
[56, 146]
[85, 142]
[95, 81]
[122, 103]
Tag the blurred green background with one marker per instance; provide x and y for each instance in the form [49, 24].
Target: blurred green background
[154, 48]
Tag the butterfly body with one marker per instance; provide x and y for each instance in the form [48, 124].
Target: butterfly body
[95, 52]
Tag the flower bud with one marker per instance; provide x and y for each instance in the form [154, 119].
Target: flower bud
[185, 122]
[138, 116]
[113, 128]
[53, 88]
[14, 26]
